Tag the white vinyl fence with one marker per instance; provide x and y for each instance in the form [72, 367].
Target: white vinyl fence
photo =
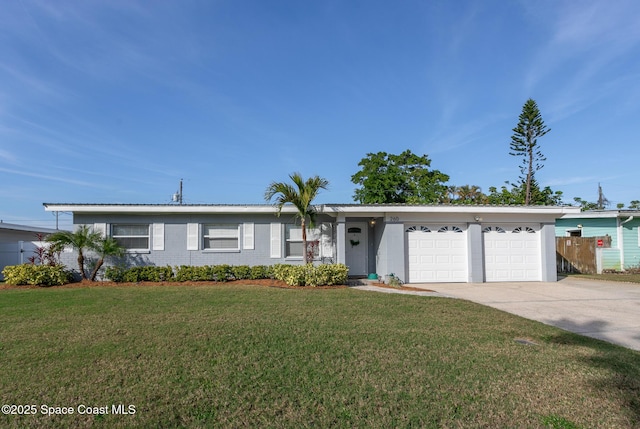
[16, 253]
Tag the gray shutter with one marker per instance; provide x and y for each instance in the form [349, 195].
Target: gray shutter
[276, 240]
[158, 236]
[192, 236]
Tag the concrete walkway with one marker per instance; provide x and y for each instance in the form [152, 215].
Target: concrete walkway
[609, 311]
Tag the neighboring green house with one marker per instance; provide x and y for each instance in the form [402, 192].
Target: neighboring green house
[623, 226]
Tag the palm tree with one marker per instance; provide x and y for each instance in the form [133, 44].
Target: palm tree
[468, 194]
[300, 194]
[106, 248]
[82, 239]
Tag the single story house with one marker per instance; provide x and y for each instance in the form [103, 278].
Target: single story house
[416, 243]
[18, 242]
[623, 226]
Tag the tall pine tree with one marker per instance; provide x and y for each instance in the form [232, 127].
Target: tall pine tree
[524, 143]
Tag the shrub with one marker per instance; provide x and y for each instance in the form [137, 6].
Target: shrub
[115, 274]
[187, 273]
[310, 275]
[40, 275]
[293, 275]
[280, 271]
[241, 272]
[297, 275]
[259, 272]
[216, 273]
[331, 274]
[221, 273]
[148, 273]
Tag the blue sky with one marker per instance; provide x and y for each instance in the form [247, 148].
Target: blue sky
[116, 101]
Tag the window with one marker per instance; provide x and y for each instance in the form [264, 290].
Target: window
[221, 237]
[131, 237]
[450, 228]
[293, 240]
[497, 229]
[418, 228]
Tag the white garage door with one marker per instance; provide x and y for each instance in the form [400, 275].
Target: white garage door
[437, 253]
[512, 253]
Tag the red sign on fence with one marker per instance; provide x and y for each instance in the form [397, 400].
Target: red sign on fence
[600, 242]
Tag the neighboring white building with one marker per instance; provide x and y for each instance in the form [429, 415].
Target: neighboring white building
[416, 243]
[17, 243]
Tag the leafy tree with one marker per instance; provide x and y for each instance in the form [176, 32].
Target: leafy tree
[505, 196]
[82, 239]
[585, 205]
[524, 143]
[405, 178]
[516, 195]
[601, 204]
[634, 205]
[300, 194]
[106, 248]
[450, 194]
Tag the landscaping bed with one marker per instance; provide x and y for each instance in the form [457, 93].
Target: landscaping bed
[245, 282]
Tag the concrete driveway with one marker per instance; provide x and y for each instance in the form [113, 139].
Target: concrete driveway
[609, 311]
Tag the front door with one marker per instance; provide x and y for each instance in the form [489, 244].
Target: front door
[356, 248]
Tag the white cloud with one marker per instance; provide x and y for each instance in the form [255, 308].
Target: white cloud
[7, 156]
[585, 43]
[26, 173]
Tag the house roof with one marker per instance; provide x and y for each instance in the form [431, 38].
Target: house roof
[330, 209]
[25, 228]
[595, 214]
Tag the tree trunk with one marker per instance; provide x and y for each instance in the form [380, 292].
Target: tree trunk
[96, 269]
[304, 242]
[527, 195]
[81, 265]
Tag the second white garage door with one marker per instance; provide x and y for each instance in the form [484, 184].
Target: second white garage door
[512, 253]
[437, 253]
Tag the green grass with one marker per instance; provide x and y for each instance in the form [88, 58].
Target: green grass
[242, 356]
[612, 277]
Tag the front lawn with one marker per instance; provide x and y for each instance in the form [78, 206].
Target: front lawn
[246, 356]
[632, 277]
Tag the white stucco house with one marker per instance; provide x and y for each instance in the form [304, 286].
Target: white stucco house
[416, 243]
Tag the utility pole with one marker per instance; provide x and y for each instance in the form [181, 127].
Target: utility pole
[602, 200]
[177, 197]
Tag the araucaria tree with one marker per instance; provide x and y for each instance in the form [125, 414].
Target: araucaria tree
[301, 194]
[404, 179]
[524, 143]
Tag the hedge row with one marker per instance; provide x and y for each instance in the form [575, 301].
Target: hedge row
[37, 275]
[294, 275]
